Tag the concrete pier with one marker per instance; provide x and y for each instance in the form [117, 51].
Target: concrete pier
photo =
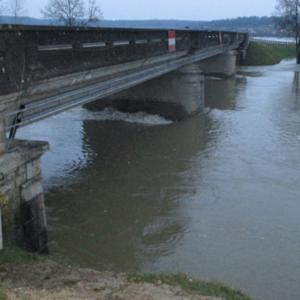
[223, 65]
[23, 216]
[176, 95]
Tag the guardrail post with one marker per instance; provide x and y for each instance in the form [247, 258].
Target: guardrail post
[2, 150]
[1, 235]
[2, 136]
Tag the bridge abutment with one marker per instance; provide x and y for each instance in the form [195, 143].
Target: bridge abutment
[223, 65]
[21, 193]
[175, 95]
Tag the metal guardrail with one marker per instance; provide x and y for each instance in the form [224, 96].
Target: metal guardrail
[33, 55]
[49, 106]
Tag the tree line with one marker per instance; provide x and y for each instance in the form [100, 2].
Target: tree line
[70, 12]
[289, 20]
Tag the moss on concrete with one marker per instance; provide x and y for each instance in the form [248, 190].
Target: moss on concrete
[13, 255]
[259, 54]
[213, 289]
[3, 200]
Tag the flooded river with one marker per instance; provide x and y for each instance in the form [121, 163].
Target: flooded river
[216, 196]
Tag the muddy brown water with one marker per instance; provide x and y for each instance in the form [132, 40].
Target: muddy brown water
[216, 196]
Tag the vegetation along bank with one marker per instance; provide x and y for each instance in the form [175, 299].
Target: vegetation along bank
[26, 276]
[260, 54]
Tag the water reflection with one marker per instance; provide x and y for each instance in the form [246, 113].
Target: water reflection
[221, 94]
[126, 210]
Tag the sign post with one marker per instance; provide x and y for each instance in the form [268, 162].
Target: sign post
[172, 40]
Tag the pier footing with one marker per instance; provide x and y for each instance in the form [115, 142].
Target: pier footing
[21, 191]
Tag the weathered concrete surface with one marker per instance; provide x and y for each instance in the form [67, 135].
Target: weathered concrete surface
[24, 218]
[223, 65]
[175, 95]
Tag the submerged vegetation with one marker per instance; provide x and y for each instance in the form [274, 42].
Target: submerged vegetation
[260, 54]
[190, 285]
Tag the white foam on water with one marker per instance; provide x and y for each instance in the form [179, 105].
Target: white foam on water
[215, 113]
[110, 114]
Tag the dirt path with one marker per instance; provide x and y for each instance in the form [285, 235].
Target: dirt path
[50, 280]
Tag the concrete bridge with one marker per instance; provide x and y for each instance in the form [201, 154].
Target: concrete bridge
[47, 70]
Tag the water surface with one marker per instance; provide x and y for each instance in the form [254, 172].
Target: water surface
[216, 196]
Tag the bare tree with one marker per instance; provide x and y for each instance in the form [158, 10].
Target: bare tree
[17, 7]
[94, 11]
[72, 12]
[288, 10]
[64, 10]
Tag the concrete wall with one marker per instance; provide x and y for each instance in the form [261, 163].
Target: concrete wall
[223, 65]
[176, 95]
[24, 218]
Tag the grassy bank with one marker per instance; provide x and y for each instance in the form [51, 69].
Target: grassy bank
[212, 289]
[13, 255]
[260, 54]
[30, 276]
[2, 293]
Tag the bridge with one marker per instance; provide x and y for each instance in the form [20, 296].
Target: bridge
[47, 70]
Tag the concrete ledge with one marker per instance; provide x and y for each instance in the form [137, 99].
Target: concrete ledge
[21, 183]
[21, 152]
[30, 149]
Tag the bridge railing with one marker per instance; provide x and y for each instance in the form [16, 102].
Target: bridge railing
[273, 41]
[29, 54]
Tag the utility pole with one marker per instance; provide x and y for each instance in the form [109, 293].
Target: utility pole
[297, 33]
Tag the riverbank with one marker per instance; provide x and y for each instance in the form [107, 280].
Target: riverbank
[261, 54]
[26, 276]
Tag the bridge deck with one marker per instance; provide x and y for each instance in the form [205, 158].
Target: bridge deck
[45, 70]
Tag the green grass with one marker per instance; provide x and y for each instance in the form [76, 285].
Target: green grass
[259, 54]
[204, 288]
[14, 255]
[2, 293]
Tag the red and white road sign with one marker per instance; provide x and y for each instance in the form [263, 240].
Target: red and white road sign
[172, 40]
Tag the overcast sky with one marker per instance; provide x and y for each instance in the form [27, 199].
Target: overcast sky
[173, 9]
